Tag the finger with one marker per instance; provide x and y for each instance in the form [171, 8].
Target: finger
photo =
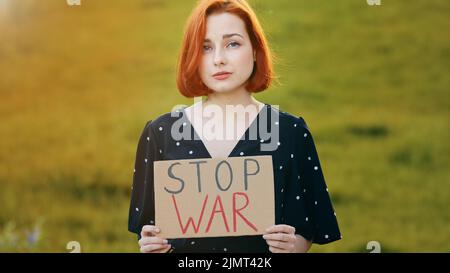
[279, 237]
[152, 240]
[166, 249]
[163, 250]
[149, 230]
[280, 245]
[276, 250]
[281, 228]
[153, 248]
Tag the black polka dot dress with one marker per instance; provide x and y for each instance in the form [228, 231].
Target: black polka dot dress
[301, 196]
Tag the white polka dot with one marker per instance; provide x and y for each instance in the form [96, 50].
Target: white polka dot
[304, 190]
[152, 222]
[282, 205]
[160, 151]
[316, 168]
[241, 153]
[178, 143]
[148, 138]
[295, 125]
[306, 219]
[184, 123]
[145, 160]
[326, 189]
[160, 128]
[134, 170]
[282, 190]
[137, 209]
[335, 214]
[292, 155]
[298, 197]
[326, 236]
[298, 177]
[193, 243]
[276, 122]
[305, 135]
[262, 140]
[281, 167]
[191, 152]
[279, 143]
[309, 158]
[224, 249]
[315, 202]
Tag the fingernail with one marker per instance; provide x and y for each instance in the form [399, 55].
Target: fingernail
[165, 241]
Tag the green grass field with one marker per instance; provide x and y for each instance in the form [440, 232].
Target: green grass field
[77, 85]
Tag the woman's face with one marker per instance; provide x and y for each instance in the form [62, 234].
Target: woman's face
[227, 48]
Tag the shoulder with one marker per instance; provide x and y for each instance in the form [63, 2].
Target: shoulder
[295, 130]
[290, 121]
[163, 122]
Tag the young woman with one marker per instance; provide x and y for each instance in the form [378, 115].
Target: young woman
[225, 57]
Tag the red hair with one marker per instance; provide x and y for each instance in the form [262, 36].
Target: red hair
[189, 82]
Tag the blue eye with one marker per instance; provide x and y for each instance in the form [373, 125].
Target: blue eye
[234, 44]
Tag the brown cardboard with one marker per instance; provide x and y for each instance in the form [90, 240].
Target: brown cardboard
[252, 198]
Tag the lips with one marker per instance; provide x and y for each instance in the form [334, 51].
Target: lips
[222, 75]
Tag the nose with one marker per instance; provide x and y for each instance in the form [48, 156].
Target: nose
[219, 57]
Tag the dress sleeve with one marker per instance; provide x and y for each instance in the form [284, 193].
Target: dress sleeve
[142, 210]
[311, 211]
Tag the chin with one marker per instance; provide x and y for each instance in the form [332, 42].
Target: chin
[220, 89]
[223, 88]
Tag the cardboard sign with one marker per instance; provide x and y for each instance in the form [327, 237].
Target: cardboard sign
[208, 197]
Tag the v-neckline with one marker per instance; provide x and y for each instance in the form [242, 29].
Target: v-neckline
[197, 137]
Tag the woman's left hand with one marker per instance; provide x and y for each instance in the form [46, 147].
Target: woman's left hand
[282, 239]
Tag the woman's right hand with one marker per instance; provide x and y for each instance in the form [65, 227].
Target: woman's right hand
[150, 242]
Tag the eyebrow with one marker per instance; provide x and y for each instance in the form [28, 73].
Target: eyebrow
[225, 36]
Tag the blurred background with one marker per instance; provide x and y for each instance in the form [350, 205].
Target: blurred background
[78, 83]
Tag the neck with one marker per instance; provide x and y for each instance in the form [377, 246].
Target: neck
[237, 97]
